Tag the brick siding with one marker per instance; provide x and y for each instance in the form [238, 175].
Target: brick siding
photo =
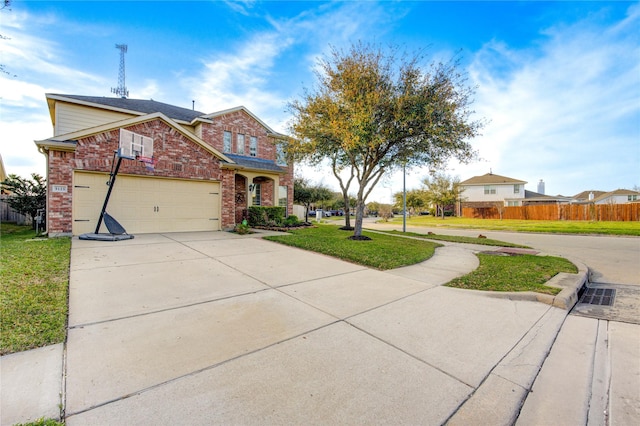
[176, 157]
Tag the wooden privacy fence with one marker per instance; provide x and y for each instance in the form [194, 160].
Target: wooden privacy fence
[591, 212]
[8, 214]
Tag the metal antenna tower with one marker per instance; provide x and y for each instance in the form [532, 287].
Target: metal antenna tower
[121, 89]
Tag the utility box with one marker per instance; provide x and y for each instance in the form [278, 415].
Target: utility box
[318, 215]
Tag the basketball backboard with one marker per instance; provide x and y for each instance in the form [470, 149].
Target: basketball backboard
[133, 145]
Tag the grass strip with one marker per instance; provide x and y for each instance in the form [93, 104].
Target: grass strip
[34, 273]
[544, 226]
[514, 273]
[381, 252]
[457, 239]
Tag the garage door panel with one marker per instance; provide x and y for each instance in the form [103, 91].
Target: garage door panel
[145, 205]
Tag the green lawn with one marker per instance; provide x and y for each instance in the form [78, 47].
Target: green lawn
[34, 274]
[549, 226]
[514, 273]
[457, 239]
[382, 252]
[392, 250]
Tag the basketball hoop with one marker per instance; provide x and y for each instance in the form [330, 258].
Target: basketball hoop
[131, 146]
[149, 162]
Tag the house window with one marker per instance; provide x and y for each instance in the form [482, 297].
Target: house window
[516, 189]
[281, 158]
[240, 144]
[255, 195]
[489, 189]
[513, 203]
[226, 142]
[282, 196]
[253, 146]
[632, 198]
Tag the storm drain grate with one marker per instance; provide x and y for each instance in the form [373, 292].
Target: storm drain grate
[599, 296]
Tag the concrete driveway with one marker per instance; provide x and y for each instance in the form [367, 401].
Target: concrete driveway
[216, 328]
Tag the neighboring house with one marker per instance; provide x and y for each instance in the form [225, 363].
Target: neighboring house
[490, 189]
[619, 196]
[208, 168]
[533, 198]
[586, 196]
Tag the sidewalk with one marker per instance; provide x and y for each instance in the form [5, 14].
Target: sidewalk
[218, 327]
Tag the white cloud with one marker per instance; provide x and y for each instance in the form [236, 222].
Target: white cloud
[40, 65]
[562, 112]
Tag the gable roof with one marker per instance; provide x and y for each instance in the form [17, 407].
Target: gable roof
[68, 141]
[584, 195]
[489, 179]
[621, 192]
[249, 113]
[132, 106]
[536, 196]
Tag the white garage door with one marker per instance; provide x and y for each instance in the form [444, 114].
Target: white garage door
[144, 204]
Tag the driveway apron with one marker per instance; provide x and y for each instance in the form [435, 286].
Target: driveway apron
[216, 328]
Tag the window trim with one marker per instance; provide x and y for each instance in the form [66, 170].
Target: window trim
[489, 190]
[225, 141]
[239, 145]
[256, 195]
[281, 159]
[253, 146]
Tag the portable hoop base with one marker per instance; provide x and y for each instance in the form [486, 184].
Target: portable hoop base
[106, 237]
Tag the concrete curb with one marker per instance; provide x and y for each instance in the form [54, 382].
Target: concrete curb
[571, 285]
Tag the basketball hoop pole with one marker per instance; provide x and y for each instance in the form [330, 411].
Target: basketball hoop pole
[112, 180]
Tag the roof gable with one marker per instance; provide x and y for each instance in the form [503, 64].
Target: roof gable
[65, 141]
[617, 192]
[491, 179]
[249, 113]
[131, 106]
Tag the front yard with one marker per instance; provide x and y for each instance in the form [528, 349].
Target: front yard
[35, 273]
[35, 279]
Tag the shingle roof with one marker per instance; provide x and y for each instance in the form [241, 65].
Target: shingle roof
[584, 195]
[622, 192]
[490, 178]
[255, 163]
[141, 106]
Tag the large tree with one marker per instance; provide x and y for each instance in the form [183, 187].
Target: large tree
[374, 111]
[26, 196]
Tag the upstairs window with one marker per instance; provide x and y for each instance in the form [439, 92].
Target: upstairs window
[253, 146]
[281, 157]
[489, 189]
[516, 189]
[226, 142]
[240, 144]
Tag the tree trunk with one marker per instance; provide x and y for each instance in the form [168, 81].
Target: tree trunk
[347, 211]
[359, 218]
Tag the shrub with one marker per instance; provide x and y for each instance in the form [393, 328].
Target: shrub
[242, 228]
[290, 221]
[266, 216]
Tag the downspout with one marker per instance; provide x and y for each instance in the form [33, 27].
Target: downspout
[42, 151]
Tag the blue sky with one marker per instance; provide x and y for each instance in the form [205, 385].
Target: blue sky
[558, 82]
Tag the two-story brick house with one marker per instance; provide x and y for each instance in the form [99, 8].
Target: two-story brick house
[207, 168]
